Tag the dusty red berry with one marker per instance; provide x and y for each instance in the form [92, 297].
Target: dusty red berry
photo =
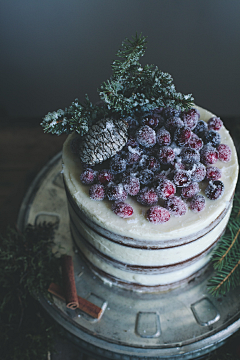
[105, 176]
[166, 155]
[146, 136]
[195, 142]
[198, 172]
[176, 206]
[150, 163]
[88, 176]
[165, 189]
[157, 215]
[215, 123]
[182, 136]
[214, 190]
[197, 203]
[116, 192]
[190, 190]
[97, 192]
[131, 185]
[208, 155]
[182, 178]
[213, 173]
[122, 209]
[190, 118]
[147, 197]
[163, 137]
[224, 152]
[133, 155]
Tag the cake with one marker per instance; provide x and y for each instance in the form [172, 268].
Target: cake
[149, 177]
[135, 253]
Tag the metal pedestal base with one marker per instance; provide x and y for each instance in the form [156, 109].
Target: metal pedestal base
[182, 324]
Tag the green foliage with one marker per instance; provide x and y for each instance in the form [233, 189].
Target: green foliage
[226, 257]
[27, 268]
[132, 90]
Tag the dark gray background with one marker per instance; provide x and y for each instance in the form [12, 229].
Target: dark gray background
[53, 51]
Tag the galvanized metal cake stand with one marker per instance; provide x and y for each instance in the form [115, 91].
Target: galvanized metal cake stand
[182, 324]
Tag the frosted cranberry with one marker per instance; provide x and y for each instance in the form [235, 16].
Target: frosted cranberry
[195, 142]
[147, 197]
[122, 209]
[214, 190]
[176, 206]
[116, 192]
[190, 156]
[215, 123]
[133, 155]
[190, 190]
[197, 203]
[201, 129]
[168, 112]
[182, 178]
[173, 123]
[198, 172]
[208, 155]
[163, 175]
[157, 215]
[190, 118]
[224, 152]
[213, 173]
[165, 189]
[105, 176]
[97, 192]
[212, 137]
[166, 155]
[163, 137]
[131, 185]
[88, 176]
[146, 136]
[151, 121]
[182, 136]
[146, 176]
[118, 164]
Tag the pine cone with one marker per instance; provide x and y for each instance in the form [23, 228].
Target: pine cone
[103, 140]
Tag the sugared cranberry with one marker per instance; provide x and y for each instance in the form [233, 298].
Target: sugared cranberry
[190, 118]
[198, 172]
[195, 142]
[214, 190]
[118, 164]
[105, 176]
[176, 206]
[147, 197]
[122, 209]
[151, 121]
[201, 129]
[197, 203]
[173, 123]
[146, 136]
[162, 175]
[208, 154]
[182, 178]
[157, 215]
[146, 176]
[131, 185]
[165, 189]
[182, 136]
[213, 173]
[88, 176]
[224, 152]
[116, 192]
[215, 123]
[133, 155]
[190, 156]
[166, 155]
[168, 112]
[97, 192]
[163, 137]
[190, 190]
[212, 137]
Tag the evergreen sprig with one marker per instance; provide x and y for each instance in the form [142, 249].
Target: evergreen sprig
[27, 267]
[132, 90]
[226, 257]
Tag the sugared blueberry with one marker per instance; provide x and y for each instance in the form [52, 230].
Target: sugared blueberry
[212, 137]
[146, 176]
[131, 184]
[201, 129]
[189, 156]
[168, 112]
[157, 215]
[151, 121]
[118, 164]
[214, 190]
[173, 123]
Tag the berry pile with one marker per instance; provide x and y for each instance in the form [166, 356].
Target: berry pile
[167, 155]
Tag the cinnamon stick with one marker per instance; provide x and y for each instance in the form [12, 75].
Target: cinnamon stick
[83, 304]
[70, 290]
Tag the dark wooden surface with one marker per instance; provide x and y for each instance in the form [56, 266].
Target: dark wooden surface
[24, 150]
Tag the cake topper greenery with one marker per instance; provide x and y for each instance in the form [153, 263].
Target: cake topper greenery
[132, 90]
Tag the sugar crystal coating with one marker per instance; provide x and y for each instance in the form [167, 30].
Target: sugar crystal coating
[197, 203]
[146, 136]
[176, 206]
[224, 152]
[97, 192]
[158, 215]
[215, 123]
[214, 190]
[122, 209]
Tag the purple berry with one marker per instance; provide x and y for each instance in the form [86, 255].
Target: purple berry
[201, 129]
[150, 163]
[195, 142]
[168, 112]
[147, 197]
[88, 176]
[190, 190]
[198, 172]
[132, 123]
[214, 190]
[190, 156]
[133, 155]
[146, 136]
[105, 176]
[166, 155]
[176, 206]
[163, 137]
[116, 192]
[146, 176]
[212, 137]
[97, 192]
[173, 123]
[122, 209]
[215, 123]
[190, 118]
[197, 203]
[182, 178]
[118, 164]
[165, 189]
[213, 173]
[182, 136]
[208, 154]
[131, 185]
[157, 215]
[224, 152]
[151, 121]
